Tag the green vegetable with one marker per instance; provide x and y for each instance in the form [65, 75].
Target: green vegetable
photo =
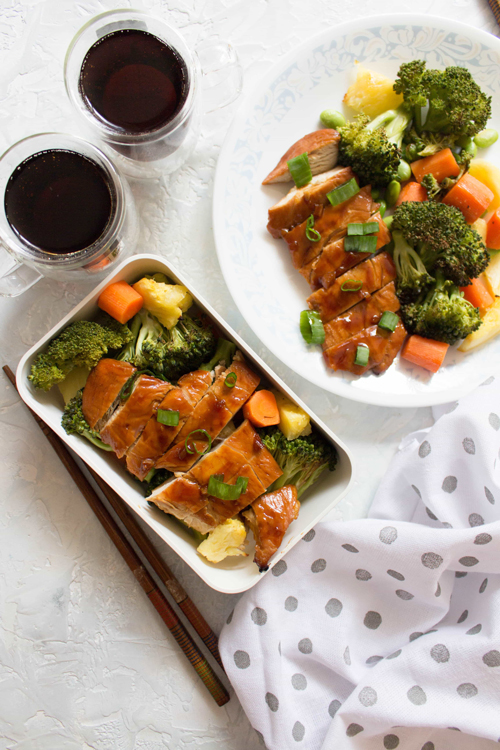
[412, 275]
[388, 321]
[74, 423]
[343, 192]
[404, 171]
[486, 138]
[411, 152]
[168, 417]
[351, 286]
[231, 379]
[302, 460]
[331, 118]
[218, 488]
[192, 448]
[300, 169]
[388, 221]
[224, 353]
[392, 192]
[360, 244]
[383, 208]
[81, 344]
[467, 144]
[312, 234]
[311, 327]
[368, 227]
[152, 480]
[362, 355]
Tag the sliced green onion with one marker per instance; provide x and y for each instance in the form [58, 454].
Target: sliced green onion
[218, 488]
[366, 243]
[343, 192]
[311, 327]
[388, 321]
[231, 379]
[170, 417]
[193, 449]
[362, 355]
[300, 169]
[351, 286]
[369, 227]
[312, 234]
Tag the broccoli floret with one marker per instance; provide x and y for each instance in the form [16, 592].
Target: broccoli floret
[302, 460]
[413, 277]
[153, 479]
[442, 238]
[442, 314]
[74, 422]
[224, 353]
[82, 344]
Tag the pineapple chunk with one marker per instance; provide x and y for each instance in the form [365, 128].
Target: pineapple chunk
[166, 301]
[72, 383]
[489, 175]
[371, 93]
[489, 327]
[492, 273]
[480, 226]
[293, 420]
[224, 541]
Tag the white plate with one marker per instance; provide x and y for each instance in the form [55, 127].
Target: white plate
[236, 573]
[269, 292]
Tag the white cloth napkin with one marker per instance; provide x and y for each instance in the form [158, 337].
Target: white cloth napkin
[385, 632]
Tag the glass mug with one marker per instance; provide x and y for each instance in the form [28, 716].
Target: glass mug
[66, 212]
[134, 82]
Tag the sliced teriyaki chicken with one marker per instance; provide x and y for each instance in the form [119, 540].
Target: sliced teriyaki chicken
[129, 420]
[322, 148]
[269, 517]
[383, 346]
[156, 438]
[353, 286]
[299, 203]
[102, 390]
[211, 414]
[332, 225]
[363, 315]
[334, 260]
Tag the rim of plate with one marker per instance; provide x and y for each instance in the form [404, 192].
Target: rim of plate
[339, 386]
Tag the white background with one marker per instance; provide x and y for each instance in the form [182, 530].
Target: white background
[85, 661]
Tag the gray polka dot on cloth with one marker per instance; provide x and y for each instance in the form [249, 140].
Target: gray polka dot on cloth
[431, 560]
[449, 484]
[494, 421]
[416, 695]
[488, 381]
[431, 514]
[280, 568]
[333, 607]
[404, 595]
[349, 548]
[438, 590]
[460, 574]
[229, 619]
[492, 659]
[372, 620]
[468, 561]
[391, 741]
[354, 729]
[272, 702]
[279, 648]
[367, 697]
[373, 660]
[299, 681]
[424, 449]
[446, 525]
[347, 656]
[394, 655]
[482, 587]
[260, 736]
[467, 690]
[259, 616]
[241, 659]
[483, 539]
[396, 575]
[298, 731]
[318, 565]
[417, 491]
[305, 646]
[440, 653]
[463, 616]
[469, 446]
[291, 604]
[475, 630]
[475, 520]
[489, 496]
[333, 708]
[428, 746]
[415, 635]
[363, 575]
[388, 535]
[309, 536]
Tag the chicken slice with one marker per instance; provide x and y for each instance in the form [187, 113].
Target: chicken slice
[365, 278]
[322, 148]
[156, 437]
[269, 517]
[383, 346]
[128, 421]
[102, 390]
[299, 203]
[179, 497]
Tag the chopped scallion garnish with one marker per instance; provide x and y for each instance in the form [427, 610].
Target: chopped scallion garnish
[343, 192]
[218, 488]
[388, 321]
[311, 327]
[368, 227]
[193, 448]
[362, 355]
[351, 286]
[300, 169]
[357, 243]
[169, 417]
[312, 234]
[231, 379]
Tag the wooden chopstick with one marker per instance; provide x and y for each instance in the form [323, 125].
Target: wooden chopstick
[191, 650]
[495, 7]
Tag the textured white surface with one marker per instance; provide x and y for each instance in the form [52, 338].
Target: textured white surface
[85, 662]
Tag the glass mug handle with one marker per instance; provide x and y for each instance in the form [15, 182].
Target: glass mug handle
[222, 74]
[15, 277]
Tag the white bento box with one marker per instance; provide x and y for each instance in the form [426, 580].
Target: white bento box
[235, 574]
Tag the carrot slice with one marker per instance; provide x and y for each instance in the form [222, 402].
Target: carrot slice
[412, 191]
[120, 301]
[470, 196]
[261, 409]
[477, 294]
[426, 353]
[493, 231]
[440, 165]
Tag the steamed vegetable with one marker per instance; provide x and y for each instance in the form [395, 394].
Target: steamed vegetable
[120, 301]
[470, 196]
[261, 409]
[224, 541]
[224, 354]
[75, 423]
[413, 277]
[165, 301]
[424, 352]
